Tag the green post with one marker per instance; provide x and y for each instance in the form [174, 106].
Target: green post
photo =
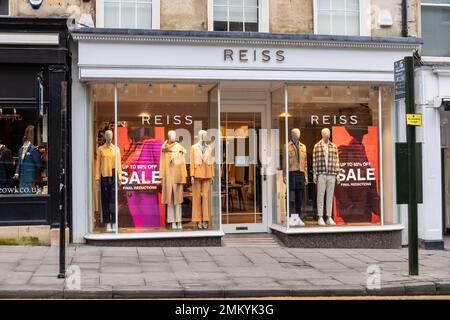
[411, 141]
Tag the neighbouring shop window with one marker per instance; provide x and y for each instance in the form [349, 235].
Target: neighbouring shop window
[436, 28]
[333, 144]
[136, 14]
[340, 17]
[154, 166]
[23, 151]
[236, 15]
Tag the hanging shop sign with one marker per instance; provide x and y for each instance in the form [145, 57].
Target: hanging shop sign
[413, 119]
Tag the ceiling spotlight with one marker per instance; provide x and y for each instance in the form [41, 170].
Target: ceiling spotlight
[199, 89]
[326, 91]
[348, 91]
[305, 91]
[150, 88]
[174, 89]
[125, 88]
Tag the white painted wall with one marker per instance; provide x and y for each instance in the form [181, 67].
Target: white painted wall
[430, 87]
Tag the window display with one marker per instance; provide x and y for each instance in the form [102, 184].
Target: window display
[23, 151]
[165, 137]
[333, 155]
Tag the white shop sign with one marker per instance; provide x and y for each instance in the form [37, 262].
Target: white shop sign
[184, 60]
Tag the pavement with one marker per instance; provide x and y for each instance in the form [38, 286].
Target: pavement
[218, 272]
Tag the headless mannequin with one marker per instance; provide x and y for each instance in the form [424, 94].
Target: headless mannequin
[110, 226]
[29, 163]
[201, 181]
[295, 187]
[325, 183]
[172, 208]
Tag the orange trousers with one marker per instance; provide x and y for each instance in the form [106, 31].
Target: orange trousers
[201, 200]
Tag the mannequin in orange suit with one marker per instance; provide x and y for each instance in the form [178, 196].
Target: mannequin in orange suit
[201, 172]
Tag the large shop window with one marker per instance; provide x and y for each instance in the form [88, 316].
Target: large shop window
[23, 150]
[436, 28]
[236, 15]
[135, 14]
[340, 17]
[154, 167]
[335, 156]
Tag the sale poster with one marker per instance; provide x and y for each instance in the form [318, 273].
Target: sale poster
[356, 197]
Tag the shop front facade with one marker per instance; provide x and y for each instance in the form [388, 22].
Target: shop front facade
[34, 67]
[182, 137]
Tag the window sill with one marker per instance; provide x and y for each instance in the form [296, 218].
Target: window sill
[338, 229]
[153, 235]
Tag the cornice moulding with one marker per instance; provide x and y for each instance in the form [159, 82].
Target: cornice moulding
[228, 41]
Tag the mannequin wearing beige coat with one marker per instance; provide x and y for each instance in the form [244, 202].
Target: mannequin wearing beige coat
[173, 173]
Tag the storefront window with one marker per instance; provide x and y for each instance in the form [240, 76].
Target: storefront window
[23, 150]
[160, 140]
[333, 143]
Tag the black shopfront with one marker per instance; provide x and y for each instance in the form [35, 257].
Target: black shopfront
[34, 72]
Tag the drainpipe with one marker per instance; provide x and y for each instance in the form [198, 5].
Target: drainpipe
[404, 18]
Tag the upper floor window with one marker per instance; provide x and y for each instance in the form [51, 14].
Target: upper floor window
[339, 17]
[436, 28]
[136, 14]
[4, 11]
[236, 15]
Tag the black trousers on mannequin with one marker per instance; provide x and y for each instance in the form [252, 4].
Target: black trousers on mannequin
[297, 187]
[108, 195]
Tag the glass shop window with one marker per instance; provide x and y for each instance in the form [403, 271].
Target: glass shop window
[332, 152]
[154, 165]
[23, 150]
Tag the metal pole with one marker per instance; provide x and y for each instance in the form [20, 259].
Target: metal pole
[411, 141]
[62, 179]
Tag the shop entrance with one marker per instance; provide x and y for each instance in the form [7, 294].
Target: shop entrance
[243, 185]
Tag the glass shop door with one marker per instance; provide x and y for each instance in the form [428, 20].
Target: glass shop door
[243, 184]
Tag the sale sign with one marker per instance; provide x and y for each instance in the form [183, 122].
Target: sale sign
[356, 197]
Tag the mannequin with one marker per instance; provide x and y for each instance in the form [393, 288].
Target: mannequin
[202, 172]
[326, 169]
[28, 163]
[5, 165]
[105, 179]
[298, 174]
[173, 173]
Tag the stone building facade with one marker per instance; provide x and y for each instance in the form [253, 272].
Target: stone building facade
[284, 16]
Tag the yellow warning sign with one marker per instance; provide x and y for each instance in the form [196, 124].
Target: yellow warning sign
[414, 119]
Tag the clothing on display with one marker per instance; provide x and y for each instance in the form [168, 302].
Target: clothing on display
[298, 173]
[201, 200]
[106, 161]
[325, 183]
[28, 167]
[325, 169]
[202, 171]
[325, 158]
[173, 172]
[105, 172]
[108, 199]
[5, 165]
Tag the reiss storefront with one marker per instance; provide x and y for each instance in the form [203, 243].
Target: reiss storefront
[182, 137]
